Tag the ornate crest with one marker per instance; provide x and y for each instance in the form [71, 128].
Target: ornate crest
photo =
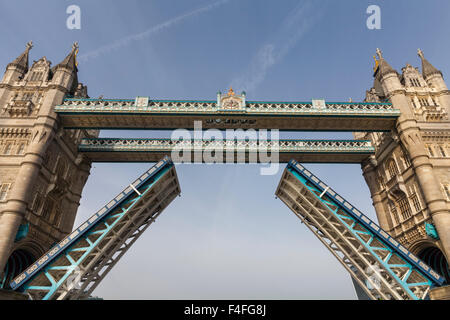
[230, 101]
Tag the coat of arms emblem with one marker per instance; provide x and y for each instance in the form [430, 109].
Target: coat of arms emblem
[231, 101]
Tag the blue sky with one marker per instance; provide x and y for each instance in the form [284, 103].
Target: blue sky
[227, 236]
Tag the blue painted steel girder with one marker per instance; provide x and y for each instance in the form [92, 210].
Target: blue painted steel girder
[74, 267]
[377, 262]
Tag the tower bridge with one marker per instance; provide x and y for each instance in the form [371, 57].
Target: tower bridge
[49, 131]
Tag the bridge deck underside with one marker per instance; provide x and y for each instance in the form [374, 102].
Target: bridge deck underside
[328, 122]
[316, 157]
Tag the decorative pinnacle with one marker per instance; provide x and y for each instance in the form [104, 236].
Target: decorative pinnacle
[420, 53]
[376, 63]
[29, 45]
[379, 53]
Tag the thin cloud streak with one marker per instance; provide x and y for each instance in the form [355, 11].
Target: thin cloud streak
[149, 32]
[292, 29]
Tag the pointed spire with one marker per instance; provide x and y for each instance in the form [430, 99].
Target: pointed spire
[382, 67]
[70, 62]
[427, 68]
[21, 61]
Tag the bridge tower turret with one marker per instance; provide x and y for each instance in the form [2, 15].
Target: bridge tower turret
[409, 175]
[435, 80]
[41, 173]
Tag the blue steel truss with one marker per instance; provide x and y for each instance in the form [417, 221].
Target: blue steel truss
[376, 261]
[172, 114]
[75, 266]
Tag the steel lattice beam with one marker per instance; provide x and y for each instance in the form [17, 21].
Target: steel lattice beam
[75, 266]
[378, 263]
[138, 150]
[172, 114]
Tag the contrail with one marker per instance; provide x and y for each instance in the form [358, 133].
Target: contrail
[153, 30]
[292, 29]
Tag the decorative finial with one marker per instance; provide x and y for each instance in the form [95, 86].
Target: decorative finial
[379, 53]
[29, 45]
[75, 48]
[231, 92]
[420, 53]
[376, 63]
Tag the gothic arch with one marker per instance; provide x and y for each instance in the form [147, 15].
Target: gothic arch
[61, 167]
[22, 257]
[392, 168]
[434, 257]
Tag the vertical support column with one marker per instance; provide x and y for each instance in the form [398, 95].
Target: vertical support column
[18, 198]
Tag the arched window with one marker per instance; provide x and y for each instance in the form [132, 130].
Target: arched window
[405, 208]
[28, 96]
[392, 167]
[21, 148]
[61, 168]
[446, 188]
[8, 148]
[381, 182]
[56, 215]
[424, 102]
[406, 160]
[430, 151]
[414, 82]
[36, 203]
[4, 188]
[393, 211]
[416, 202]
[442, 151]
[47, 210]
[434, 101]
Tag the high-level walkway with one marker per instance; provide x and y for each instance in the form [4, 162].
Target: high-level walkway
[150, 150]
[143, 113]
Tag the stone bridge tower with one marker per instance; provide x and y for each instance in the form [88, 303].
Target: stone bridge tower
[409, 176]
[41, 173]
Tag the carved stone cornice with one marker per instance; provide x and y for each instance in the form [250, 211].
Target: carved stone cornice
[443, 92]
[395, 92]
[15, 133]
[5, 86]
[436, 136]
[19, 108]
[58, 87]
